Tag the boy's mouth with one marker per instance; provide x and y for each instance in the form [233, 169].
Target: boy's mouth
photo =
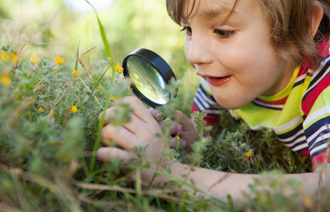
[218, 81]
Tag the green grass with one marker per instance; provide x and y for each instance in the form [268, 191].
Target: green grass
[48, 160]
[48, 163]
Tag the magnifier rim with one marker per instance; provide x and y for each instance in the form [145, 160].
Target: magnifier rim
[146, 54]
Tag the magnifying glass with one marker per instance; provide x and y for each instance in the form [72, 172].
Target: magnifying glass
[149, 75]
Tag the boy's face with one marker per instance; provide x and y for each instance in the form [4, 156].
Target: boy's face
[235, 55]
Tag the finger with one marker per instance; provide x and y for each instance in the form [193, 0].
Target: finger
[120, 136]
[111, 112]
[176, 129]
[184, 121]
[155, 114]
[108, 153]
[136, 125]
[139, 109]
[179, 116]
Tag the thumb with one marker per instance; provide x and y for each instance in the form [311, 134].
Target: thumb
[176, 129]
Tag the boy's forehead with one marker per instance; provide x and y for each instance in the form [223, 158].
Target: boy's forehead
[207, 8]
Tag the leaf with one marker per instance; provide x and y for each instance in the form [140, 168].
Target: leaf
[77, 55]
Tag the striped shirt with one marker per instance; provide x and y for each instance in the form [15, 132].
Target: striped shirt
[299, 114]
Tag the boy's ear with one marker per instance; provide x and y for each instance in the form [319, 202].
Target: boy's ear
[316, 18]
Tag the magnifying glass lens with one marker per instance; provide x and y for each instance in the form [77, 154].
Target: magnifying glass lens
[147, 80]
[149, 75]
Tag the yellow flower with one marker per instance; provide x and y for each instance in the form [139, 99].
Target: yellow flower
[177, 137]
[4, 56]
[52, 112]
[40, 110]
[75, 73]
[307, 202]
[74, 109]
[5, 80]
[59, 60]
[35, 60]
[113, 98]
[248, 154]
[14, 57]
[119, 68]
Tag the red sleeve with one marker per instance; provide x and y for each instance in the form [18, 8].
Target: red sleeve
[211, 119]
[323, 157]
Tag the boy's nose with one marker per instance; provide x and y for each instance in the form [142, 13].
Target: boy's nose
[197, 51]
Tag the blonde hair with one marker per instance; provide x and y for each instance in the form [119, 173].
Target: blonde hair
[290, 23]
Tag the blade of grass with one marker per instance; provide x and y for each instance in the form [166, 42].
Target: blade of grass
[138, 186]
[97, 143]
[105, 42]
[102, 32]
[109, 55]
[97, 84]
[77, 54]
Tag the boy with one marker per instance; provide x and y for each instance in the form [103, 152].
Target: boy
[235, 47]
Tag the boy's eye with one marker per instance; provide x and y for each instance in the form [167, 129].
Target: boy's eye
[187, 29]
[224, 33]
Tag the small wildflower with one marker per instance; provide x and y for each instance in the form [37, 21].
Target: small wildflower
[307, 202]
[5, 80]
[52, 112]
[40, 110]
[113, 98]
[59, 60]
[74, 109]
[14, 57]
[4, 56]
[248, 154]
[31, 72]
[119, 69]
[75, 73]
[177, 137]
[129, 89]
[35, 60]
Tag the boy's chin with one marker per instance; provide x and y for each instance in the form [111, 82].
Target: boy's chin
[232, 105]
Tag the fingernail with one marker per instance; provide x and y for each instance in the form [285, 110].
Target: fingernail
[158, 114]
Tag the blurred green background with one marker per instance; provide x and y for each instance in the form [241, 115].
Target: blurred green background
[56, 27]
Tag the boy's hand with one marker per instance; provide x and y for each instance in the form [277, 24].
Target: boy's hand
[185, 131]
[141, 131]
